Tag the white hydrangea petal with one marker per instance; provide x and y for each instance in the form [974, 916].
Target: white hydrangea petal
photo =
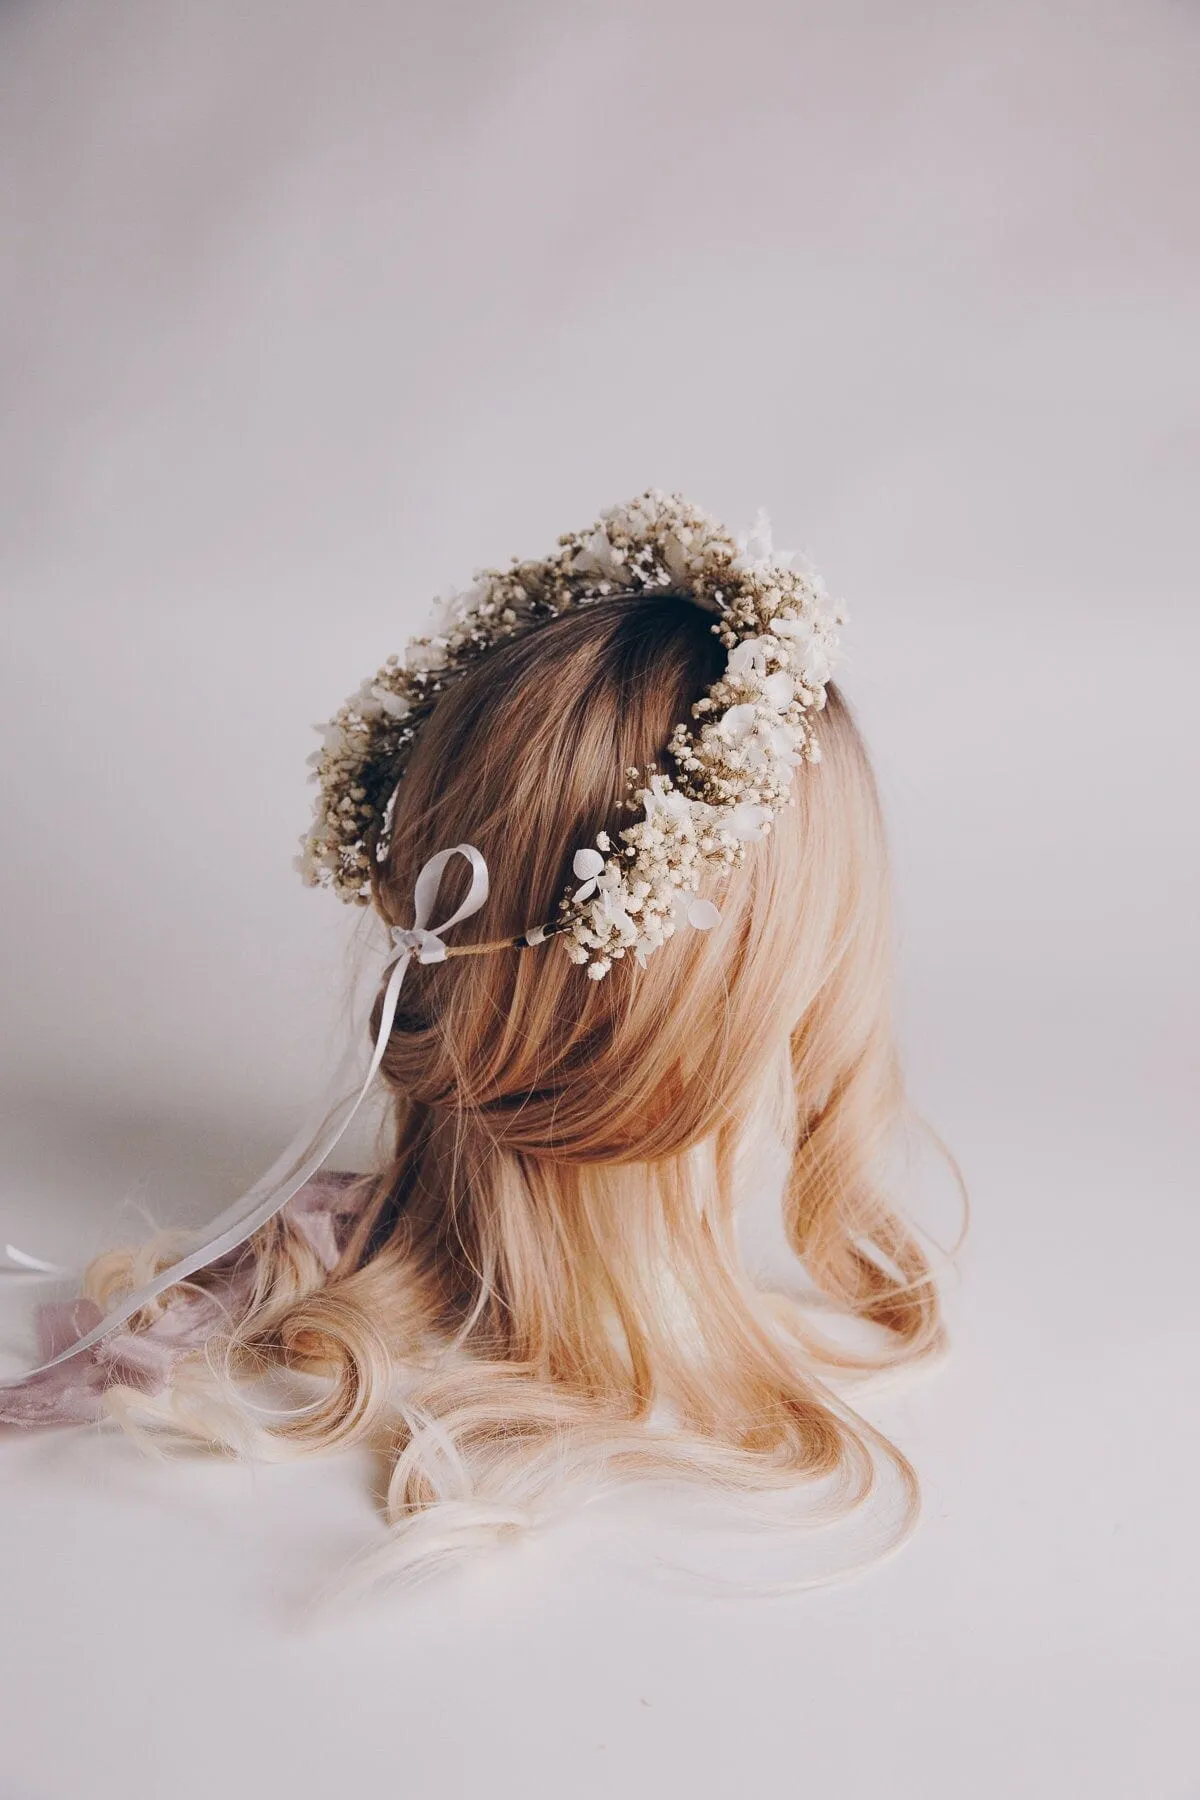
[597, 556]
[703, 915]
[587, 863]
[426, 655]
[675, 556]
[394, 705]
[746, 821]
[784, 745]
[754, 546]
[750, 656]
[817, 667]
[796, 630]
[738, 723]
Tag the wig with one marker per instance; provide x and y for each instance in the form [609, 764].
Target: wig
[539, 1288]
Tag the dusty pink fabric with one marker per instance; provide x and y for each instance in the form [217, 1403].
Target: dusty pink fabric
[72, 1393]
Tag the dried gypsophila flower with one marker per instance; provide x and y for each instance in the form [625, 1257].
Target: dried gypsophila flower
[733, 763]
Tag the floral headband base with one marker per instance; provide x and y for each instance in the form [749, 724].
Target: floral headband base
[731, 764]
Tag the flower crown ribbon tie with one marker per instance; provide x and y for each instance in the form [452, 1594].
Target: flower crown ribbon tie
[312, 1144]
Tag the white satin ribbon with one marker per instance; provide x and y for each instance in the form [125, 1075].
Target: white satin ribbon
[286, 1176]
[24, 1264]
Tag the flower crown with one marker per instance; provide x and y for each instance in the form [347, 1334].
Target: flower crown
[731, 765]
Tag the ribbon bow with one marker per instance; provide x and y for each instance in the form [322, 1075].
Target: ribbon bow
[420, 937]
[427, 944]
[311, 1146]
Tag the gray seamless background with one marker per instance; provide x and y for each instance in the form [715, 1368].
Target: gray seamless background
[308, 312]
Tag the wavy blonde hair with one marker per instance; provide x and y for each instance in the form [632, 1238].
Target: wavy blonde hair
[544, 1281]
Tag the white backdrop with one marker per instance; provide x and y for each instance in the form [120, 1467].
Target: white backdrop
[308, 312]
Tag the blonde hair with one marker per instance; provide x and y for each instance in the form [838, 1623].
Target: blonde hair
[544, 1281]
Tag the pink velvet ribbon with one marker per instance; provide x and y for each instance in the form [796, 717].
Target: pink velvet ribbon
[71, 1391]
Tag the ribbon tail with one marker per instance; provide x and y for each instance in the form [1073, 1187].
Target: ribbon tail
[248, 1214]
[25, 1264]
